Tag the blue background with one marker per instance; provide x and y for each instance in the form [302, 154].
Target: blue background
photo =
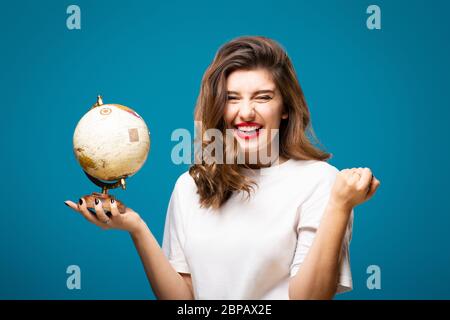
[378, 99]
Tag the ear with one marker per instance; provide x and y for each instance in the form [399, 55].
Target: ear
[284, 112]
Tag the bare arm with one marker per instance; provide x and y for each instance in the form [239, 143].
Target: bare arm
[165, 281]
[317, 277]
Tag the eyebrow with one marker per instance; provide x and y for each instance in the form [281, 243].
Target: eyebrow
[254, 93]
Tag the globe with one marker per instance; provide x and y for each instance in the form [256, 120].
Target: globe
[111, 141]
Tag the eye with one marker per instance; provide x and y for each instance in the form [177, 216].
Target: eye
[264, 98]
[232, 98]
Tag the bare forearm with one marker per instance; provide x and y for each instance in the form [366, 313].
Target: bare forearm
[165, 281]
[317, 277]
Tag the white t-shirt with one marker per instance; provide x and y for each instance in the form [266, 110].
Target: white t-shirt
[249, 248]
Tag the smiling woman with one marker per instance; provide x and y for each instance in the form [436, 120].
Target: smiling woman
[246, 231]
[252, 230]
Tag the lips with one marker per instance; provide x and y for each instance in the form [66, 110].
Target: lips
[248, 130]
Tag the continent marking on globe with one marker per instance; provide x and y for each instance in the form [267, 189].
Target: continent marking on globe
[86, 162]
[133, 134]
[105, 111]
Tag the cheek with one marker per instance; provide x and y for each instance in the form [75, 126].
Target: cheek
[272, 116]
[229, 114]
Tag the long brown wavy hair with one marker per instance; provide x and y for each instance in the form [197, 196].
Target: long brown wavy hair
[215, 181]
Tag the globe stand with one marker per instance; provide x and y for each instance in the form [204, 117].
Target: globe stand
[104, 197]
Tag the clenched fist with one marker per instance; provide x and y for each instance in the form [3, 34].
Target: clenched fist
[353, 187]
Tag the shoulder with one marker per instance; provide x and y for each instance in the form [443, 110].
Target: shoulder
[184, 179]
[316, 171]
[315, 180]
[184, 196]
[323, 170]
[185, 185]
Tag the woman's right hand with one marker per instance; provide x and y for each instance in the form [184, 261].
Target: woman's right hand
[129, 220]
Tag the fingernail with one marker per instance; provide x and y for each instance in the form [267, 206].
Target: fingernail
[96, 201]
[66, 204]
[80, 201]
[112, 200]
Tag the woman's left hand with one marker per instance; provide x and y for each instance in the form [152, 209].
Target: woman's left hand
[353, 187]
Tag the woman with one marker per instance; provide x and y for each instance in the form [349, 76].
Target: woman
[248, 228]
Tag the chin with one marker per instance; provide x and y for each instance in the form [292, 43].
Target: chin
[250, 145]
[252, 151]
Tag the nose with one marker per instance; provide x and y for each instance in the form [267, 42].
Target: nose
[247, 111]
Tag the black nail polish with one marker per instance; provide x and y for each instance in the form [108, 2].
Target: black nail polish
[66, 204]
[96, 201]
[112, 200]
[80, 201]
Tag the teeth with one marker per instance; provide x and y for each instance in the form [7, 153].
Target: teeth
[248, 129]
[248, 132]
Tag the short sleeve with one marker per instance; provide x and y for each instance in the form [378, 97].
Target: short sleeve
[310, 215]
[174, 235]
